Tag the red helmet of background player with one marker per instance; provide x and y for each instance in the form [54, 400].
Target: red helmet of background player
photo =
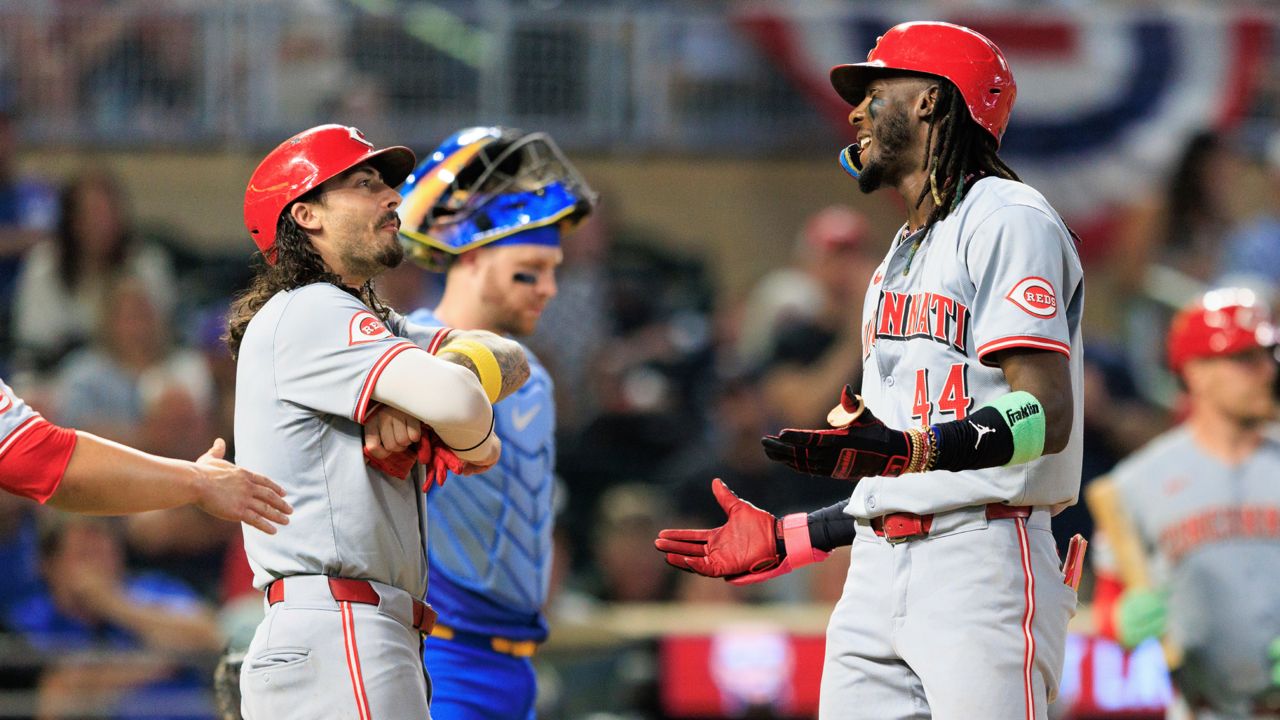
[303, 162]
[1221, 322]
[969, 60]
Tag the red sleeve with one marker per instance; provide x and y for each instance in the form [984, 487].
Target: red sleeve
[34, 457]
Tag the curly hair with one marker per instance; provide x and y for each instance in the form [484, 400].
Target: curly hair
[297, 264]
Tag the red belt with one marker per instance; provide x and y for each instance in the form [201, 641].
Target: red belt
[361, 591]
[901, 527]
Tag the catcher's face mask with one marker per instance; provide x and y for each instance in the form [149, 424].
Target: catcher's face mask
[486, 186]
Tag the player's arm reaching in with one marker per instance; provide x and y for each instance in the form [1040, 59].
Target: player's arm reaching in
[107, 478]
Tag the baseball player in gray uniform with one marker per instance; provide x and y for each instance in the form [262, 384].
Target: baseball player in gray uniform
[77, 471]
[955, 605]
[317, 352]
[1202, 504]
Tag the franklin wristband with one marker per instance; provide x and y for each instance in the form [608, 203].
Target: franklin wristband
[1024, 417]
[1007, 431]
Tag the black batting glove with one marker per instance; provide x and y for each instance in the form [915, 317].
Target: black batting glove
[861, 448]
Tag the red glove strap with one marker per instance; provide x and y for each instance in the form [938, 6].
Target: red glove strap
[800, 551]
[795, 537]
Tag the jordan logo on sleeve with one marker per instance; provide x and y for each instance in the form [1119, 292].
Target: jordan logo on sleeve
[982, 431]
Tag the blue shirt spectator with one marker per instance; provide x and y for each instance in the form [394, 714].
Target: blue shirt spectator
[150, 624]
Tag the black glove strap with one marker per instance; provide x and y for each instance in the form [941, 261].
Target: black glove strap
[982, 440]
[830, 528]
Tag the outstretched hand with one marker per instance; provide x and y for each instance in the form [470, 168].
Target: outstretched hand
[858, 445]
[233, 493]
[747, 543]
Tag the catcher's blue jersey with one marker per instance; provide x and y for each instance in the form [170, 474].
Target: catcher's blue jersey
[489, 544]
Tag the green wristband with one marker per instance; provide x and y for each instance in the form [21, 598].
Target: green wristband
[1025, 417]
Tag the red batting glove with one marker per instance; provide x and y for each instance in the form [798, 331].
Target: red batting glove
[746, 543]
[397, 465]
[438, 459]
[434, 455]
[799, 551]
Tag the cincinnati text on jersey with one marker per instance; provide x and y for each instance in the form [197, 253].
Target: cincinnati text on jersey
[1218, 524]
[903, 316]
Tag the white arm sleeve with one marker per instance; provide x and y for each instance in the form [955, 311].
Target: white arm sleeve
[443, 395]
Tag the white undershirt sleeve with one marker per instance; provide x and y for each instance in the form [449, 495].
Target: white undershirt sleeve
[443, 395]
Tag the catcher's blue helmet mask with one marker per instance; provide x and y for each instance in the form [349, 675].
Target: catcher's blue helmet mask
[490, 185]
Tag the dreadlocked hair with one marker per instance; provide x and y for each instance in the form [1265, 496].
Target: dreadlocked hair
[961, 149]
[297, 264]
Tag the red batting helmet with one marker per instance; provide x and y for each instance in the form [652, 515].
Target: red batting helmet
[303, 162]
[1222, 322]
[969, 60]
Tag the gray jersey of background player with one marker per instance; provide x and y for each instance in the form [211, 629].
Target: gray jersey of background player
[1204, 501]
[968, 434]
[315, 351]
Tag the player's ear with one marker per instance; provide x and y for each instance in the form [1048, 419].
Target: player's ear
[306, 215]
[927, 101]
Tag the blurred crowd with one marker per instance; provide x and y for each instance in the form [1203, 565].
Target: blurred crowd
[663, 383]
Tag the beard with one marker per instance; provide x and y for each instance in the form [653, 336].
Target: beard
[890, 138]
[368, 264]
[390, 256]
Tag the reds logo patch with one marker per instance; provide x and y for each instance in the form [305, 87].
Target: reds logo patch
[366, 327]
[6, 402]
[1036, 296]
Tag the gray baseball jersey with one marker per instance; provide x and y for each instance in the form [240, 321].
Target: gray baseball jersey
[15, 417]
[307, 368]
[308, 364]
[1213, 533]
[1000, 272]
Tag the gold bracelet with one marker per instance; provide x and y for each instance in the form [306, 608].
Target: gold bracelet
[916, 460]
[486, 364]
[933, 450]
[924, 450]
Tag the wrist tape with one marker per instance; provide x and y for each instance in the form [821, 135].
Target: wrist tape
[486, 365]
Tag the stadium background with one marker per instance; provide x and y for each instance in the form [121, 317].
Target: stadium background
[710, 132]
